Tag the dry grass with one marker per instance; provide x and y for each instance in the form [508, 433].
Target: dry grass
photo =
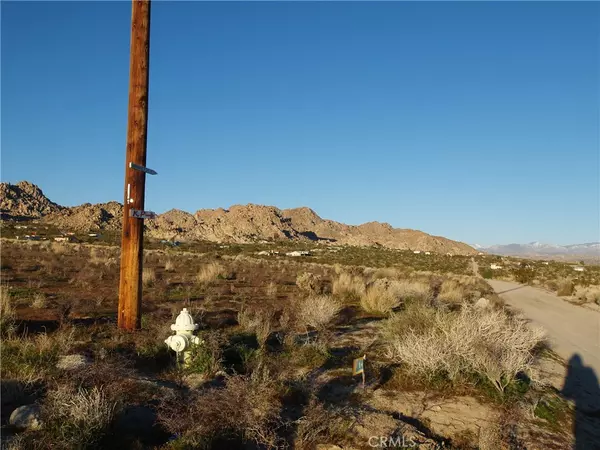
[271, 290]
[59, 248]
[590, 294]
[78, 418]
[415, 290]
[452, 291]
[148, 276]
[317, 311]
[489, 342]
[169, 266]
[7, 311]
[257, 321]
[246, 410]
[348, 286]
[38, 301]
[210, 272]
[381, 297]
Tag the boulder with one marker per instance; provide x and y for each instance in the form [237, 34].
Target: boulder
[483, 303]
[26, 417]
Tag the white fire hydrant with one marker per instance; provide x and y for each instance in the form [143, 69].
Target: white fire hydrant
[183, 339]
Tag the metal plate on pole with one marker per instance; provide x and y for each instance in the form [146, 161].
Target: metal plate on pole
[142, 169]
[139, 214]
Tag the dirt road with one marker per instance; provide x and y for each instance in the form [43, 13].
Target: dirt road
[571, 328]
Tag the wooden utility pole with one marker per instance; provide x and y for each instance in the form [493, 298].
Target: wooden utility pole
[132, 250]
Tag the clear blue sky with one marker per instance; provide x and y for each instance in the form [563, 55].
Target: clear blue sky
[477, 121]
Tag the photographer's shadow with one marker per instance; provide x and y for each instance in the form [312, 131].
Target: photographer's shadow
[581, 386]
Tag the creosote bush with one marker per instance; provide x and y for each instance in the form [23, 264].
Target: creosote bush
[488, 342]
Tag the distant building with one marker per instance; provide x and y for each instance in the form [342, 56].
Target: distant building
[495, 266]
[298, 253]
[578, 269]
[416, 252]
[428, 253]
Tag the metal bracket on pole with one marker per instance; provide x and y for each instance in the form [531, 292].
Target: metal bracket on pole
[142, 169]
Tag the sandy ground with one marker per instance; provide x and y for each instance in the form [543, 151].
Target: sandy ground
[573, 333]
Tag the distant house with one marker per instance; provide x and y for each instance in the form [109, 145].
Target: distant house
[545, 262]
[298, 253]
[578, 269]
[495, 266]
[416, 252]
[428, 253]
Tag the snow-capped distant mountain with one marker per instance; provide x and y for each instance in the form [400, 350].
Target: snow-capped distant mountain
[540, 249]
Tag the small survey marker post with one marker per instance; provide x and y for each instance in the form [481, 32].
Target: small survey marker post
[358, 368]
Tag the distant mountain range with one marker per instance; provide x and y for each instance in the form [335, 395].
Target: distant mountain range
[240, 223]
[585, 251]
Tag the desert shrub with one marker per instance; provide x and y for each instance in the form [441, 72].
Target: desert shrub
[348, 286]
[257, 321]
[589, 294]
[322, 424]
[310, 283]
[565, 287]
[488, 342]
[524, 274]
[487, 273]
[380, 297]
[77, 418]
[415, 290]
[208, 356]
[246, 409]
[317, 311]
[148, 276]
[451, 291]
[213, 271]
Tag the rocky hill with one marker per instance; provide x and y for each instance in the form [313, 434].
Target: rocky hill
[24, 200]
[239, 224]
